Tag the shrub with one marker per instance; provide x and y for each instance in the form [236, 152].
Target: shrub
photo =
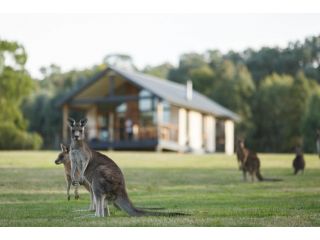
[13, 138]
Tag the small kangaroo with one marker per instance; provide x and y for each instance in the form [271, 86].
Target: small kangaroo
[318, 142]
[67, 168]
[298, 162]
[103, 175]
[63, 158]
[249, 162]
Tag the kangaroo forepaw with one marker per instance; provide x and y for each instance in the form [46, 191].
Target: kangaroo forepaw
[76, 197]
[68, 197]
[74, 183]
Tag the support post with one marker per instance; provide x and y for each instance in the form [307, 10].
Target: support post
[111, 127]
[65, 115]
[229, 137]
[159, 122]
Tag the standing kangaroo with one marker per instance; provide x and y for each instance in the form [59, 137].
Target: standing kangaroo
[318, 142]
[102, 173]
[63, 158]
[298, 162]
[249, 162]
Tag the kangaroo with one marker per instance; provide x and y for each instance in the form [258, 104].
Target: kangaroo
[63, 158]
[318, 142]
[298, 162]
[103, 174]
[249, 162]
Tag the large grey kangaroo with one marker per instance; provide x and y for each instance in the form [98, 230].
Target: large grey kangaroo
[102, 173]
[63, 158]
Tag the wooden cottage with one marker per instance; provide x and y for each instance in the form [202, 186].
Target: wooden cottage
[131, 110]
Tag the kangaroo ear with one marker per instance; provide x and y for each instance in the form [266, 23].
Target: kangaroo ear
[63, 147]
[83, 122]
[71, 122]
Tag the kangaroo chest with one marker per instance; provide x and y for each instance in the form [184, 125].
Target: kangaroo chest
[78, 156]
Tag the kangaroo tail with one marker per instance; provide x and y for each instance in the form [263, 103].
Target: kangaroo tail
[151, 208]
[261, 178]
[126, 205]
[272, 180]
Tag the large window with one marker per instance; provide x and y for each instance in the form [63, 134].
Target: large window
[103, 127]
[145, 101]
[147, 108]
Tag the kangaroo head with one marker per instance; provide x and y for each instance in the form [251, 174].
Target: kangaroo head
[298, 150]
[240, 143]
[63, 157]
[77, 129]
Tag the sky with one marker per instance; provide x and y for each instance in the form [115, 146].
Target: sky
[82, 40]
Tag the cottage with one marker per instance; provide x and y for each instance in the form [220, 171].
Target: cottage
[131, 110]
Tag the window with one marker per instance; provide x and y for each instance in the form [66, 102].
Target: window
[145, 101]
[121, 108]
[103, 127]
[166, 112]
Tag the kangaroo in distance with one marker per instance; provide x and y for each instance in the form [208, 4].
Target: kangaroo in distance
[249, 162]
[103, 175]
[298, 162]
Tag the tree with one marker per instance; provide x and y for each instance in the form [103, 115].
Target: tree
[311, 122]
[15, 85]
[299, 95]
[270, 113]
[119, 60]
[161, 71]
[40, 109]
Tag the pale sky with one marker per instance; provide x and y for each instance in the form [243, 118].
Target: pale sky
[82, 40]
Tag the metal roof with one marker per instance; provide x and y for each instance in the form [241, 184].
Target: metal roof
[172, 92]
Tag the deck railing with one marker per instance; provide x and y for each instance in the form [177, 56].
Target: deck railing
[169, 132]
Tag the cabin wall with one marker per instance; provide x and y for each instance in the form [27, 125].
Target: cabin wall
[210, 133]
[195, 130]
[92, 122]
[229, 137]
[182, 126]
[174, 115]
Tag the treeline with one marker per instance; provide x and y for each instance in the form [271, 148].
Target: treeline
[274, 90]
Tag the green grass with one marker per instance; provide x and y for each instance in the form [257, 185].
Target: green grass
[209, 187]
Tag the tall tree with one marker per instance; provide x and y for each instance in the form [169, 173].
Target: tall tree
[15, 85]
[311, 122]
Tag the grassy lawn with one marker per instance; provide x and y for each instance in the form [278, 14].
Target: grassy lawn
[209, 187]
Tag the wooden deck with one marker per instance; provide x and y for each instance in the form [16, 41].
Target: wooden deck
[148, 144]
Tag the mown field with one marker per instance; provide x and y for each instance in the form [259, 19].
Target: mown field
[209, 187]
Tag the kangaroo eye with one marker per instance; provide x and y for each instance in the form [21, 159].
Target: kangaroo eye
[73, 131]
[80, 131]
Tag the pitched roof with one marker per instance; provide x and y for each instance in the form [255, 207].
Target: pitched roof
[172, 92]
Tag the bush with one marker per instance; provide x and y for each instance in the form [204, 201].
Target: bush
[312, 123]
[13, 138]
